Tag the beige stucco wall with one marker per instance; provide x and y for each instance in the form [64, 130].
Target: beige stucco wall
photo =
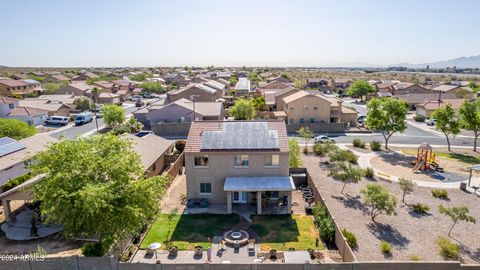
[321, 114]
[221, 165]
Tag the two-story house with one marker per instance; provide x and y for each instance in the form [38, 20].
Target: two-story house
[239, 162]
[198, 92]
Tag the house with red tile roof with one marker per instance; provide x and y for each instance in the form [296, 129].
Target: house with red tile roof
[427, 107]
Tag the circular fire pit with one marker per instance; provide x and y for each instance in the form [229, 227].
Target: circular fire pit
[237, 237]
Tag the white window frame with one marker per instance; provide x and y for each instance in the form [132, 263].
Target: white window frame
[269, 161]
[241, 161]
[205, 193]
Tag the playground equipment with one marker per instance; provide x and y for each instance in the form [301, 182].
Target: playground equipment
[426, 159]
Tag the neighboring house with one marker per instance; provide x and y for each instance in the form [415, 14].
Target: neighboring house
[7, 104]
[56, 78]
[200, 92]
[12, 88]
[182, 110]
[85, 76]
[53, 107]
[275, 85]
[386, 86]
[15, 153]
[179, 79]
[153, 151]
[274, 97]
[342, 83]
[239, 163]
[20, 76]
[10, 108]
[36, 85]
[108, 98]
[123, 85]
[279, 79]
[307, 107]
[243, 87]
[408, 88]
[217, 85]
[413, 100]
[458, 91]
[319, 83]
[224, 82]
[426, 108]
[104, 85]
[75, 88]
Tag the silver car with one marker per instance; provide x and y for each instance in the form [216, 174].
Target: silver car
[56, 120]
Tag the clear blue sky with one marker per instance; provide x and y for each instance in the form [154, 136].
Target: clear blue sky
[241, 32]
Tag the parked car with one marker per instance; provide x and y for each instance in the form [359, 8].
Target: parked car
[431, 122]
[148, 95]
[139, 103]
[135, 98]
[56, 120]
[322, 139]
[99, 114]
[83, 118]
[361, 118]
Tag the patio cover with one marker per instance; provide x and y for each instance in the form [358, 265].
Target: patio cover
[264, 183]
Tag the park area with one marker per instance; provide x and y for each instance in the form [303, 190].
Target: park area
[411, 235]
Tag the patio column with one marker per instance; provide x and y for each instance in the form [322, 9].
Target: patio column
[289, 202]
[229, 202]
[6, 210]
[259, 202]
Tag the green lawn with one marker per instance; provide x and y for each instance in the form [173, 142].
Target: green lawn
[468, 159]
[282, 232]
[188, 231]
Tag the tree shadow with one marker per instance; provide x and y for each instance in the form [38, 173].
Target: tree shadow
[352, 202]
[474, 254]
[387, 233]
[414, 214]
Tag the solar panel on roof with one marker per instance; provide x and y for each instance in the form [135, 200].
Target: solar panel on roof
[9, 145]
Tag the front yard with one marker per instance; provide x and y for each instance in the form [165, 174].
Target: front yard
[282, 232]
[188, 231]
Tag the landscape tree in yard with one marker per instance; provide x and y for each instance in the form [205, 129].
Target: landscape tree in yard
[447, 122]
[152, 87]
[15, 129]
[294, 160]
[307, 135]
[322, 149]
[380, 201]
[387, 115]
[83, 104]
[347, 173]
[360, 88]
[470, 118]
[243, 110]
[95, 186]
[113, 115]
[456, 214]
[406, 186]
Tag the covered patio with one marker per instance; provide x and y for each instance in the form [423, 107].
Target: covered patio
[264, 192]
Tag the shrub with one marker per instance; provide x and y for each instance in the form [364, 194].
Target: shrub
[440, 193]
[375, 145]
[358, 143]
[415, 258]
[419, 118]
[351, 238]
[324, 223]
[385, 247]
[448, 249]
[420, 208]
[343, 155]
[94, 249]
[15, 129]
[369, 173]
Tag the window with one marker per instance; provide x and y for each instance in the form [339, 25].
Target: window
[305, 107]
[241, 161]
[302, 120]
[205, 188]
[272, 160]
[315, 107]
[11, 106]
[271, 194]
[312, 120]
[201, 161]
[290, 120]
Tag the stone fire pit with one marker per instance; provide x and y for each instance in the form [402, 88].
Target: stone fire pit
[236, 237]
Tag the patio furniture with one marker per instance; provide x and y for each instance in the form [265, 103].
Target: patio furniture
[273, 254]
[190, 203]
[152, 249]
[251, 247]
[203, 203]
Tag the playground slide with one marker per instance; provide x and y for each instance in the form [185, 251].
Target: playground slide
[418, 165]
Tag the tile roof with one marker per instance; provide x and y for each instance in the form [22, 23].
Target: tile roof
[26, 111]
[445, 87]
[150, 147]
[434, 104]
[60, 77]
[199, 128]
[317, 80]
[275, 85]
[7, 100]
[13, 83]
[215, 85]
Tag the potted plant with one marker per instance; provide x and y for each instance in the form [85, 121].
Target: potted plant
[172, 250]
[273, 254]
[198, 251]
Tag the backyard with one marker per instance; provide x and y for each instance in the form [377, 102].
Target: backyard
[188, 231]
[282, 232]
[412, 236]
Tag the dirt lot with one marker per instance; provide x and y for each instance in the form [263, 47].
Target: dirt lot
[410, 234]
[53, 246]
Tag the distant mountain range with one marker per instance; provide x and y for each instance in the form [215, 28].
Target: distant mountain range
[461, 62]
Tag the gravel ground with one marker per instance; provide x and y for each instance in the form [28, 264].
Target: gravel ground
[409, 233]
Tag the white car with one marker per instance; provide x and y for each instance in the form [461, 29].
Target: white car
[431, 122]
[323, 139]
[135, 98]
[56, 120]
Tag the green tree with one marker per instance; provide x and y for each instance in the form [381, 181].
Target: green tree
[322, 149]
[233, 80]
[258, 102]
[387, 115]
[447, 122]
[406, 186]
[152, 87]
[95, 186]
[51, 88]
[306, 134]
[294, 160]
[360, 88]
[15, 129]
[113, 115]
[346, 173]
[134, 125]
[83, 104]
[456, 214]
[380, 201]
[138, 77]
[470, 118]
[243, 110]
